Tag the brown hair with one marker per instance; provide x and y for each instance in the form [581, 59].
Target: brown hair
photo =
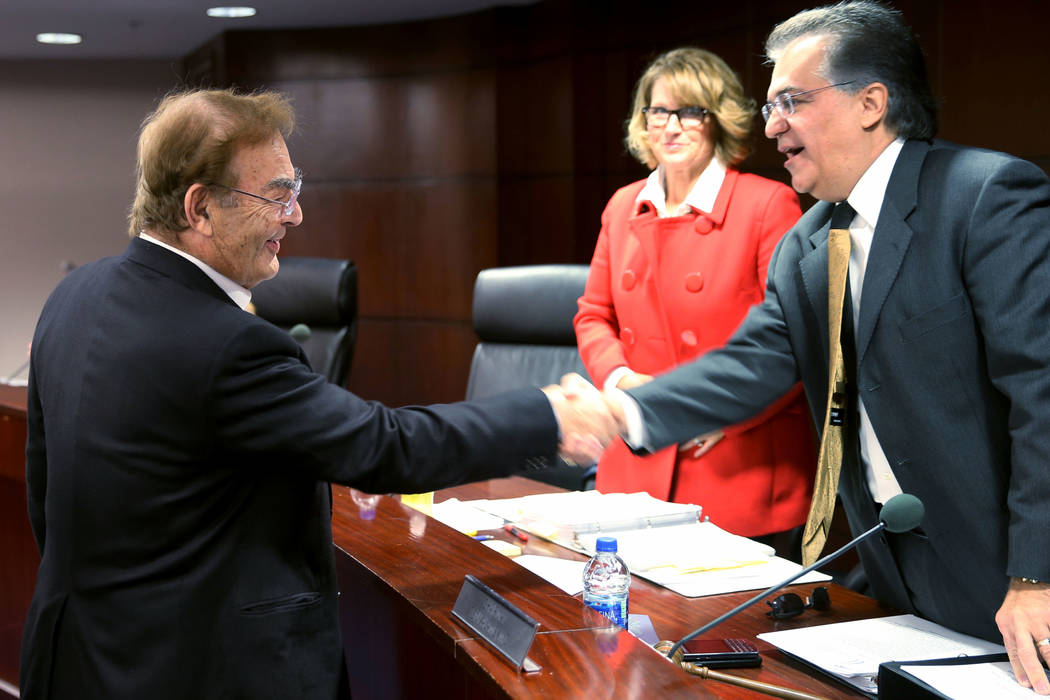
[698, 77]
[191, 137]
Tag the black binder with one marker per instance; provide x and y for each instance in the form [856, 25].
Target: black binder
[898, 684]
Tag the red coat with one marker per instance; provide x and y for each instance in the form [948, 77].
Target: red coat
[660, 293]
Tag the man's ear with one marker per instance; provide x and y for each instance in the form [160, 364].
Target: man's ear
[195, 208]
[874, 100]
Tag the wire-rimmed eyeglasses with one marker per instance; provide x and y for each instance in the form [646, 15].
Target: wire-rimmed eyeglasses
[785, 104]
[688, 117]
[790, 605]
[286, 207]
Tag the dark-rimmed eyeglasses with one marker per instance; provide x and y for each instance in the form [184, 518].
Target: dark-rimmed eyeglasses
[287, 208]
[785, 104]
[688, 117]
[790, 605]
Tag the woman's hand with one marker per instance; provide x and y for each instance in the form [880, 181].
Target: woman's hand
[702, 444]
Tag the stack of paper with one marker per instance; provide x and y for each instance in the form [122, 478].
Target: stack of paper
[659, 541]
[565, 517]
[852, 651]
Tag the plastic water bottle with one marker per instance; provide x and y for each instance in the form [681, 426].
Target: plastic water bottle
[607, 582]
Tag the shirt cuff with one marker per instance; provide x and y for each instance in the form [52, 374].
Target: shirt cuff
[632, 415]
[615, 376]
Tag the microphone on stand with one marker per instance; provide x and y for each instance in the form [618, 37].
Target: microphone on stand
[900, 514]
[300, 331]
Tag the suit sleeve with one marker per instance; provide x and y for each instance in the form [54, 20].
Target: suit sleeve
[726, 385]
[780, 213]
[1007, 273]
[597, 327]
[267, 403]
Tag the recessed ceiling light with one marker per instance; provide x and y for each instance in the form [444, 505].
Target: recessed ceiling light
[231, 11]
[58, 38]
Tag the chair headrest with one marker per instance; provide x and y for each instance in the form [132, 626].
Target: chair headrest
[315, 291]
[528, 304]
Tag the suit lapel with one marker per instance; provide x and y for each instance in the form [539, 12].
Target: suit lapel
[890, 241]
[814, 269]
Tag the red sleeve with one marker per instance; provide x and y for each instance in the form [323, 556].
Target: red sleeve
[597, 327]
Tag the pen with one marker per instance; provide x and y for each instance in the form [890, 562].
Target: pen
[516, 532]
[483, 538]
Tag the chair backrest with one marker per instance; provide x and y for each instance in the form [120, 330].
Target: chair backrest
[523, 319]
[320, 293]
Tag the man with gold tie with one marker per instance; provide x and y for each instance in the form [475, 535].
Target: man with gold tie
[933, 276]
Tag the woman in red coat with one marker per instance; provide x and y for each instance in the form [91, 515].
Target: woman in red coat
[680, 259]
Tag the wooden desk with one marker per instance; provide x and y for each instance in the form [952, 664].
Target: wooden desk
[400, 574]
[18, 556]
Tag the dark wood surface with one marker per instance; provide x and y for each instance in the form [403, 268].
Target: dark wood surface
[18, 556]
[401, 571]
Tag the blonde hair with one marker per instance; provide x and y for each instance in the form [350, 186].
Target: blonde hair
[191, 137]
[697, 77]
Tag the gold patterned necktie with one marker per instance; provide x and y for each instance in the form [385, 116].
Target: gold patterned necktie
[829, 463]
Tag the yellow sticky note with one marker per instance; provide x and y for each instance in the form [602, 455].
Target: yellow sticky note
[503, 547]
[423, 502]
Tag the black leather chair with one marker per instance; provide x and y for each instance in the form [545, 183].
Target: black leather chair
[523, 319]
[320, 293]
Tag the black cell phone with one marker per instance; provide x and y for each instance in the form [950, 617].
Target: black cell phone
[721, 653]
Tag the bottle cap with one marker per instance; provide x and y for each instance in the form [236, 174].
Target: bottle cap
[605, 544]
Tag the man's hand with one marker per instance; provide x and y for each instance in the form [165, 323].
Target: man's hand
[586, 424]
[1024, 620]
[702, 444]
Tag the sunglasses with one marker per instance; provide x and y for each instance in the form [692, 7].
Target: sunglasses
[791, 605]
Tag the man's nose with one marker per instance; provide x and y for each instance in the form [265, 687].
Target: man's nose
[776, 124]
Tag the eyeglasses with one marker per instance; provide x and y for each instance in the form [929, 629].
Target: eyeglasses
[790, 605]
[785, 104]
[286, 207]
[688, 117]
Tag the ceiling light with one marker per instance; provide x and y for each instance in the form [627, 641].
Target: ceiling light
[231, 11]
[58, 38]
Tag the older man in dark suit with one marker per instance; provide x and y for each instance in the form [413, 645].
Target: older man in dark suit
[946, 392]
[179, 448]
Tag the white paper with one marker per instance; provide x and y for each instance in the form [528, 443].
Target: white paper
[744, 578]
[973, 681]
[682, 549]
[464, 517]
[566, 574]
[853, 650]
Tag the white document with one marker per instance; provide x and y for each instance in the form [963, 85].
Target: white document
[566, 574]
[973, 681]
[744, 578]
[464, 517]
[853, 650]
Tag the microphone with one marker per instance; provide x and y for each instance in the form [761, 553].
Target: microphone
[300, 331]
[900, 514]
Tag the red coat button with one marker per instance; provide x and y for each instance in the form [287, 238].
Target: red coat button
[694, 281]
[628, 280]
[703, 224]
[627, 336]
[689, 338]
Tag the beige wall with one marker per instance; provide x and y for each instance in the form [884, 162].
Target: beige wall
[67, 147]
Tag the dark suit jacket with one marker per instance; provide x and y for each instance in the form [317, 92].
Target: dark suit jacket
[177, 461]
[952, 362]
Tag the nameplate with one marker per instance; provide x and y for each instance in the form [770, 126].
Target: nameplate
[497, 621]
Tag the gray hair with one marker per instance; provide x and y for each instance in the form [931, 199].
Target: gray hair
[868, 43]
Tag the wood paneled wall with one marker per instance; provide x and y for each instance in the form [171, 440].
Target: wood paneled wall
[435, 149]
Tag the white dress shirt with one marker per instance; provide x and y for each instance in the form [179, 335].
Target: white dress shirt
[241, 296]
[866, 199]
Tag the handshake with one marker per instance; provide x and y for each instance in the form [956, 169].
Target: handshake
[588, 419]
